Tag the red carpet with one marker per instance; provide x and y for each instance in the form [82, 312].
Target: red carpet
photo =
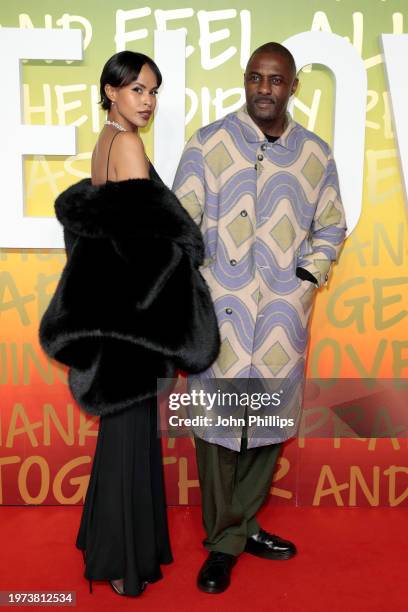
[349, 559]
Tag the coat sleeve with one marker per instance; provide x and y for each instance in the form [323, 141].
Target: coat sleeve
[153, 261]
[116, 346]
[189, 180]
[104, 287]
[328, 229]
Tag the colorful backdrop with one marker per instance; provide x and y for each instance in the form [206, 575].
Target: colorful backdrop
[360, 324]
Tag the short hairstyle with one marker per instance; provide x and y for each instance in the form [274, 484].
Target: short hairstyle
[123, 68]
[274, 47]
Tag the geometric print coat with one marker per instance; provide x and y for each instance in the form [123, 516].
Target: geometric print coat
[264, 209]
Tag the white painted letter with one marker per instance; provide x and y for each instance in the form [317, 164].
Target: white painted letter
[395, 51]
[169, 54]
[16, 230]
[348, 68]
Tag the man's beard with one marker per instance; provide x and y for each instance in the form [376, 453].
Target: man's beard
[268, 113]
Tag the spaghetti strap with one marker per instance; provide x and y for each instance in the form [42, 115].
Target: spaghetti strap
[109, 152]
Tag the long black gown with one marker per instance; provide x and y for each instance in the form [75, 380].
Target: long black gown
[123, 529]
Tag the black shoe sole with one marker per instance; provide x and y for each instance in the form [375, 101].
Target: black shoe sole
[211, 590]
[274, 556]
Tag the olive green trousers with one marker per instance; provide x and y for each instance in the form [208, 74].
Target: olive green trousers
[234, 485]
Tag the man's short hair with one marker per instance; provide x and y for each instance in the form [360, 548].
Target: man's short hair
[277, 48]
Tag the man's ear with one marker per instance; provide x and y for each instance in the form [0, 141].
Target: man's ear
[294, 86]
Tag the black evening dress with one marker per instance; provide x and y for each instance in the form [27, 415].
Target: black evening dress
[123, 529]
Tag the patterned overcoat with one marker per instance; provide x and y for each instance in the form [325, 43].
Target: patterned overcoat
[264, 209]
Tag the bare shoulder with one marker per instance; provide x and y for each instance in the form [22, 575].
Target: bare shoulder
[129, 140]
[128, 157]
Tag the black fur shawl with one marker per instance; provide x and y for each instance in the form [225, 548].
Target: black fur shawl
[131, 305]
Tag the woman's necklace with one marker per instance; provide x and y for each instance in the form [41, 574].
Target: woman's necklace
[116, 125]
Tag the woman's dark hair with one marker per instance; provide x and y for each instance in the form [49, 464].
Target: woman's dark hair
[123, 68]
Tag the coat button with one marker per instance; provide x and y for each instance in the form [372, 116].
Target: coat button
[228, 311]
[243, 213]
[263, 147]
[233, 262]
[260, 157]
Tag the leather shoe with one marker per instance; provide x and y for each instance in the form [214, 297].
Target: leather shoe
[215, 574]
[269, 546]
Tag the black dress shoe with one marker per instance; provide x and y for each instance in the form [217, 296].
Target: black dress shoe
[269, 546]
[215, 574]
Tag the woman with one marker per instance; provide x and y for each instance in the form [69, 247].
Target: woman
[131, 307]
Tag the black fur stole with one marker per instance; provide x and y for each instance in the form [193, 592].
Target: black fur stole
[131, 305]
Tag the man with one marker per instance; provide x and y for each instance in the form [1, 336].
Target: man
[265, 193]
